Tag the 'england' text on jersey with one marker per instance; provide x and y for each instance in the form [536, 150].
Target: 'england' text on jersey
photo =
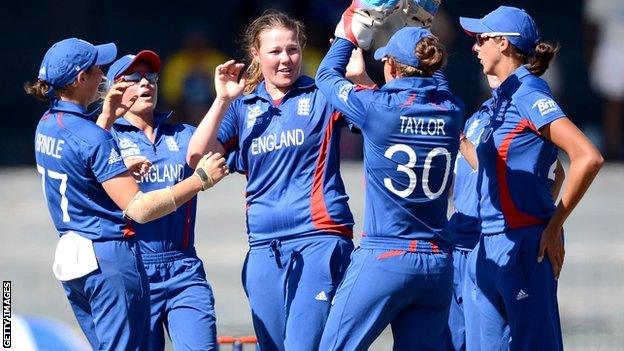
[166, 173]
[49, 145]
[422, 126]
[272, 142]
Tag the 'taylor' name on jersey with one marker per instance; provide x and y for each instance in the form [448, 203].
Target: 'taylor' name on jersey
[273, 142]
[49, 145]
[422, 126]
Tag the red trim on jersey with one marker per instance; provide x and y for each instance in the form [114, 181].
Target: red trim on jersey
[45, 116]
[413, 245]
[229, 145]
[59, 119]
[278, 102]
[186, 237]
[410, 100]
[128, 231]
[434, 247]
[320, 217]
[512, 215]
[390, 253]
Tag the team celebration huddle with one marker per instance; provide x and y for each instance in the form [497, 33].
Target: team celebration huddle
[121, 183]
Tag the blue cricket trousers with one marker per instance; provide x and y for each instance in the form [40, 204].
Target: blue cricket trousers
[181, 301]
[111, 303]
[411, 291]
[290, 284]
[514, 294]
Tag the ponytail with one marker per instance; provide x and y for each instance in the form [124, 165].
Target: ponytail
[539, 59]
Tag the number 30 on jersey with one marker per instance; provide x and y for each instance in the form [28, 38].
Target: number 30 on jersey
[408, 169]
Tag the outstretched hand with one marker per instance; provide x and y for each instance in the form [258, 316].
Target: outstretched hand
[113, 106]
[227, 83]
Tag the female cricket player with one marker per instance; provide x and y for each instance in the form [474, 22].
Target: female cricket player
[181, 298]
[284, 136]
[520, 253]
[92, 198]
[402, 272]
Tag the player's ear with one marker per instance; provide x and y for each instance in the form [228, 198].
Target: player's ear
[82, 77]
[255, 53]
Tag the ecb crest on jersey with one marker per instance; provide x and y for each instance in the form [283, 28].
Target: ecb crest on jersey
[172, 144]
[303, 107]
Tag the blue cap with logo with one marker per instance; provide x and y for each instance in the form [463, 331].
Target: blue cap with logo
[402, 46]
[66, 58]
[119, 67]
[511, 22]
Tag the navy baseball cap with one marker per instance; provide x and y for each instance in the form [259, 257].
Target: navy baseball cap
[124, 63]
[511, 22]
[65, 59]
[402, 45]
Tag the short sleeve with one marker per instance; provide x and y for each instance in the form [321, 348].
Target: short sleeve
[106, 161]
[228, 133]
[540, 108]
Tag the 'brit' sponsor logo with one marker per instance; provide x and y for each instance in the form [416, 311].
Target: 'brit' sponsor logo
[343, 92]
[545, 106]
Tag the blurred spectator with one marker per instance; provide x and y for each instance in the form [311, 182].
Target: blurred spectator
[606, 50]
[187, 78]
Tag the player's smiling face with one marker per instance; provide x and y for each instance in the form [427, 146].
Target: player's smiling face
[146, 90]
[279, 57]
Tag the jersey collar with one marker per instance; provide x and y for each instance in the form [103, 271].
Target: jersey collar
[302, 83]
[511, 84]
[411, 83]
[159, 118]
[57, 105]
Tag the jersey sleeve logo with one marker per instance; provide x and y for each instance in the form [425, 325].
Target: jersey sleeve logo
[343, 92]
[114, 157]
[303, 107]
[545, 106]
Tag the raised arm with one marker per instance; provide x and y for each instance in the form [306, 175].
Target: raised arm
[228, 87]
[331, 81]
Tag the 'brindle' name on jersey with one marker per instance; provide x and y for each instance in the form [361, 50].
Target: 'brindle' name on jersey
[422, 126]
[273, 142]
[49, 145]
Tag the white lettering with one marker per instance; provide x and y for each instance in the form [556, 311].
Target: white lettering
[49, 145]
[422, 126]
[163, 174]
[273, 142]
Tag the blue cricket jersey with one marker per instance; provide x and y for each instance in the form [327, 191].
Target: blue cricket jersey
[463, 226]
[289, 152]
[175, 231]
[516, 163]
[74, 156]
[411, 134]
